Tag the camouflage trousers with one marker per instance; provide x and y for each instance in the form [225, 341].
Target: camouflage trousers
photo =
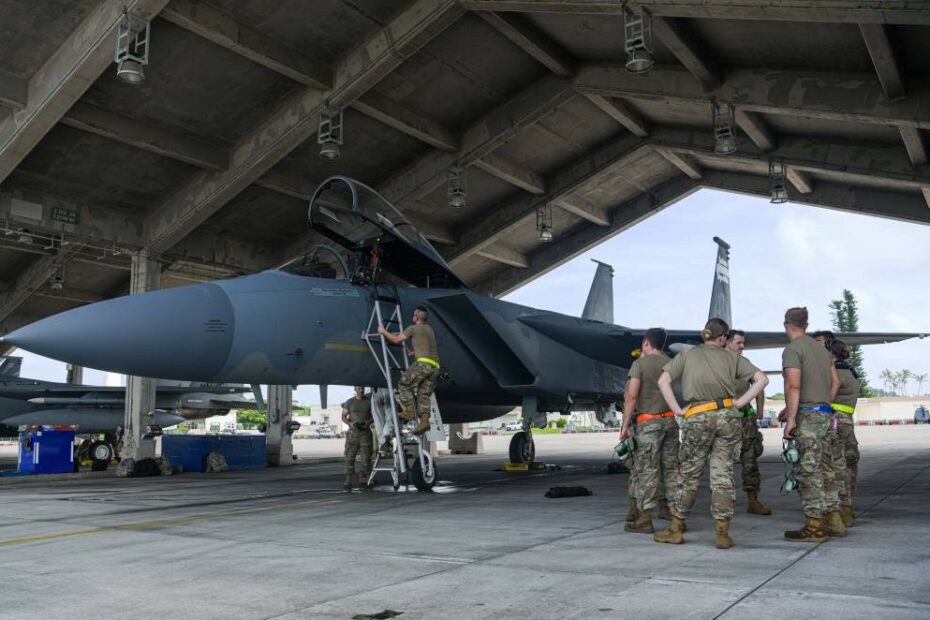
[850, 447]
[811, 432]
[358, 443]
[656, 462]
[834, 468]
[714, 436]
[421, 377]
[750, 451]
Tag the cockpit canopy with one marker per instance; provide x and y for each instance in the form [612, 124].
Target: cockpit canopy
[360, 220]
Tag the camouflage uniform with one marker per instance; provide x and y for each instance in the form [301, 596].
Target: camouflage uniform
[750, 451]
[812, 429]
[656, 463]
[358, 440]
[847, 445]
[709, 373]
[421, 377]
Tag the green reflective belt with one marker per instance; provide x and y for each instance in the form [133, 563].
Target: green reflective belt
[747, 411]
[427, 360]
[843, 408]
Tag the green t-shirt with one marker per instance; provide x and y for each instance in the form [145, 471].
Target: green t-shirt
[359, 409]
[648, 369]
[422, 340]
[848, 394]
[814, 362]
[709, 372]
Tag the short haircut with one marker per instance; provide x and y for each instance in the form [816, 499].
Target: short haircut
[423, 310]
[839, 349]
[714, 328]
[359, 387]
[824, 333]
[733, 333]
[796, 317]
[656, 336]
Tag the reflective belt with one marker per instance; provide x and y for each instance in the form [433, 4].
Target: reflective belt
[653, 416]
[843, 408]
[710, 406]
[817, 409]
[427, 360]
[747, 412]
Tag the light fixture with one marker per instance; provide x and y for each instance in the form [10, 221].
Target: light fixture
[329, 133]
[637, 40]
[544, 223]
[132, 49]
[724, 128]
[455, 186]
[24, 236]
[778, 182]
[58, 280]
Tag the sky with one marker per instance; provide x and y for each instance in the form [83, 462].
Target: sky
[781, 256]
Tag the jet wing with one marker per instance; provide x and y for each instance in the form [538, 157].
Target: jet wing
[771, 340]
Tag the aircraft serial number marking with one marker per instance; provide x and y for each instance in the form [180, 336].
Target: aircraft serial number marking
[334, 292]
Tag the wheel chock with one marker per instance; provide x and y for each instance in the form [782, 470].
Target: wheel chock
[534, 466]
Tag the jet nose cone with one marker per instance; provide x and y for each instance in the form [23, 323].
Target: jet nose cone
[181, 333]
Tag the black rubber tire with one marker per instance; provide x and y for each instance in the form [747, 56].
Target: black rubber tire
[522, 448]
[100, 464]
[420, 481]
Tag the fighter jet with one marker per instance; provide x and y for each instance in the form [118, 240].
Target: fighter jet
[289, 326]
[98, 410]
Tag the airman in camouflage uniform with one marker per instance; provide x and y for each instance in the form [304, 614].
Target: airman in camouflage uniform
[356, 414]
[751, 445]
[656, 456]
[844, 406]
[810, 383]
[712, 430]
[423, 374]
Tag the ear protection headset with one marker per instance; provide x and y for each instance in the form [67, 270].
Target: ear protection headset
[625, 449]
[790, 456]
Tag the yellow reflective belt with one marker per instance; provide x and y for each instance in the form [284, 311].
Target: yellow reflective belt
[429, 361]
[711, 406]
[843, 408]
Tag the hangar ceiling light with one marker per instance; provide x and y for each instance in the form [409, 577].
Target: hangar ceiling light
[637, 41]
[544, 223]
[724, 128]
[778, 182]
[455, 186]
[132, 49]
[329, 133]
[58, 280]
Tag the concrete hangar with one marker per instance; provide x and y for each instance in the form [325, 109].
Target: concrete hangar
[194, 158]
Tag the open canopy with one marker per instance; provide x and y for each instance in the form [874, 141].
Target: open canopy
[359, 219]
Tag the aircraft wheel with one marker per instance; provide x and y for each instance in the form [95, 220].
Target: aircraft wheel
[101, 453]
[522, 448]
[424, 481]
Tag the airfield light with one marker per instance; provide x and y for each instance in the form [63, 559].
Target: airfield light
[132, 49]
[778, 182]
[329, 133]
[637, 42]
[544, 223]
[455, 186]
[724, 129]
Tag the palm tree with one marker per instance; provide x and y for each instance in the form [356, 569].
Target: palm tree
[920, 379]
[905, 376]
[888, 379]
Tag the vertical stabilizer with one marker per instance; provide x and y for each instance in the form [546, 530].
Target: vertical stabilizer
[720, 295]
[600, 303]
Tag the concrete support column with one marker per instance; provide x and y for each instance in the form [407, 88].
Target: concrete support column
[75, 374]
[280, 450]
[140, 391]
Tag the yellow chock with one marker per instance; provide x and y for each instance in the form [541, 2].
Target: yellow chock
[537, 466]
[516, 467]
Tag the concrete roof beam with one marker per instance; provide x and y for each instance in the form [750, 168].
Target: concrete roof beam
[800, 180]
[510, 172]
[883, 57]
[683, 162]
[528, 38]
[585, 209]
[13, 91]
[683, 43]
[621, 112]
[65, 76]
[757, 130]
[506, 256]
[34, 277]
[914, 144]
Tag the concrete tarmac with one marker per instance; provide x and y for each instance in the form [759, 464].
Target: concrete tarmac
[289, 543]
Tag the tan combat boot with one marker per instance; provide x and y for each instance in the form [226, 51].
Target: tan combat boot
[811, 532]
[348, 482]
[406, 415]
[642, 524]
[423, 426]
[848, 517]
[674, 535]
[833, 523]
[755, 506]
[664, 512]
[363, 479]
[632, 513]
[722, 534]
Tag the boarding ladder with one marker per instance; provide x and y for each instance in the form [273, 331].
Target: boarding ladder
[421, 470]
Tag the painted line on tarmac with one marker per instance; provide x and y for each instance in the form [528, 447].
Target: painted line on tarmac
[143, 525]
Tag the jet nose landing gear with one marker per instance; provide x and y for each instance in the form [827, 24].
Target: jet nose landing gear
[522, 446]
